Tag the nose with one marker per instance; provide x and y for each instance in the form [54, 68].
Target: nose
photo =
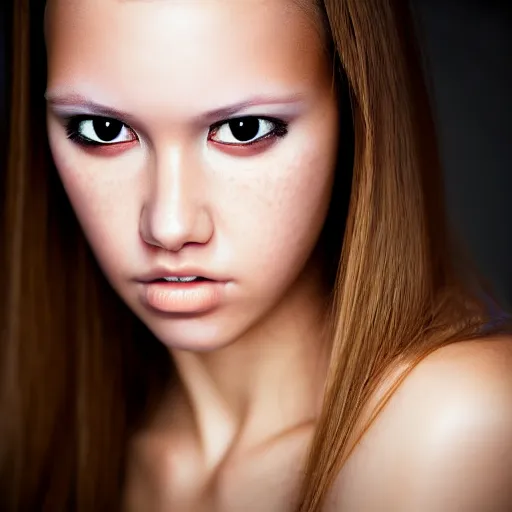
[174, 213]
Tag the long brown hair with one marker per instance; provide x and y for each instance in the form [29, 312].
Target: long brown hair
[79, 373]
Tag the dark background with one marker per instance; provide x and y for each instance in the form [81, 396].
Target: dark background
[468, 47]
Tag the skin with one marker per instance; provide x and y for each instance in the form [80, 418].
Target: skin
[252, 368]
[443, 442]
[234, 435]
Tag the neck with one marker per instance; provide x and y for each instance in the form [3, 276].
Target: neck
[266, 383]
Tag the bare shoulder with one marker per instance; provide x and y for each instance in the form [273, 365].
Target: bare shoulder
[444, 441]
[473, 374]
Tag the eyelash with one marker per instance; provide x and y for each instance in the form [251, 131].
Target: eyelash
[72, 124]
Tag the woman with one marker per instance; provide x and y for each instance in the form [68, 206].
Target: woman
[291, 328]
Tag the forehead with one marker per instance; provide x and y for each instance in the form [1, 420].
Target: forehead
[183, 47]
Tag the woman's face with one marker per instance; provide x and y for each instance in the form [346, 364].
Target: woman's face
[194, 138]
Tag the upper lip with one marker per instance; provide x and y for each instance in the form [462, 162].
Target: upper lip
[161, 272]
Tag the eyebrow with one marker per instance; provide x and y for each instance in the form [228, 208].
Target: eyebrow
[77, 100]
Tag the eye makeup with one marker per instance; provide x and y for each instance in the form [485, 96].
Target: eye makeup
[98, 131]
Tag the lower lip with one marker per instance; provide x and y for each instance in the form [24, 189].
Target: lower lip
[192, 297]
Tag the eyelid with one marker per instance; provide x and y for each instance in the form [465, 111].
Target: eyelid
[70, 120]
[71, 123]
[245, 116]
[280, 130]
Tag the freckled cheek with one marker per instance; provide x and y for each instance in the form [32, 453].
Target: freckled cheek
[283, 212]
[105, 205]
[300, 212]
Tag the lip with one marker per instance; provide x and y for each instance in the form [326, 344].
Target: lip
[181, 297]
[161, 272]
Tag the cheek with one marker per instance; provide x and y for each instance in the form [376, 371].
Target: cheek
[284, 214]
[276, 220]
[296, 211]
[104, 204]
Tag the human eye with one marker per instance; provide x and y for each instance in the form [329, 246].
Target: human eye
[246, 131]
[89, 130]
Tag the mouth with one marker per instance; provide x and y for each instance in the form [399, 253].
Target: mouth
[181, 279]
[179, 276]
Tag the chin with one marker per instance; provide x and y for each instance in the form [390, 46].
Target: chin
[199, 333]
